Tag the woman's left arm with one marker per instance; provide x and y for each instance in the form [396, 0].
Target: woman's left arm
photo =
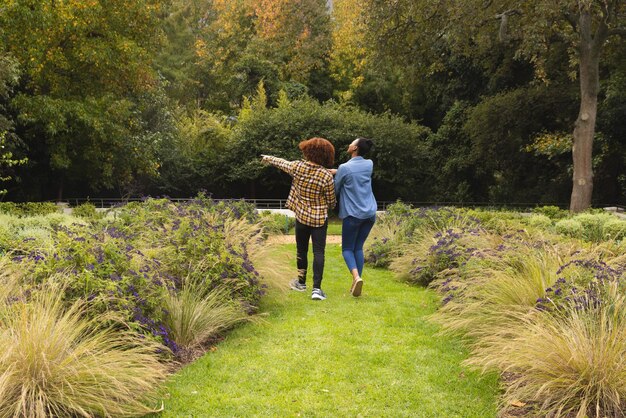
[329, 193]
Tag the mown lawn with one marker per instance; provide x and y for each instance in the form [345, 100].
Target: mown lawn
[374, 356]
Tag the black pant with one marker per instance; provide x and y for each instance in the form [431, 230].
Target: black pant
[318, 236]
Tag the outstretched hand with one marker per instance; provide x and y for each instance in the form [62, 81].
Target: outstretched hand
[332, 171]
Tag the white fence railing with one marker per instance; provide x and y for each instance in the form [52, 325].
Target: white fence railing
[107, 202]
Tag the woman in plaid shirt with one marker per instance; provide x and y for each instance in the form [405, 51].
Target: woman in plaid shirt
[311, 196]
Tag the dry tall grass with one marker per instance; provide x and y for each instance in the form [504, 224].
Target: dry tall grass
[59, 362]
[274, 272]
[570, 363]
[498, 289]
[195, 316]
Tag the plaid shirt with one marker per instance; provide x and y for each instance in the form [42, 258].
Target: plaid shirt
[312, 191]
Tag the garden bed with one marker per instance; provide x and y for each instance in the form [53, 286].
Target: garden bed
[121, 297]
[538, 298]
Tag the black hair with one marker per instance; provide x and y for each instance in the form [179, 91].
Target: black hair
[364, 146]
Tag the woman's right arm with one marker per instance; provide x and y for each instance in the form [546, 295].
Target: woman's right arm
[286, 166]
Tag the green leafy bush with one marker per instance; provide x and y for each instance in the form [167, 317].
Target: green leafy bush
[86, 210]
[540, 221]
[127, 264]
[276, 223]
[552, 212]
[569, 227]
[615, 229]
[593, 224]
[28, 208]
[277, 131]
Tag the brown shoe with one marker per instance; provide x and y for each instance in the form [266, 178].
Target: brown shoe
[357, 285]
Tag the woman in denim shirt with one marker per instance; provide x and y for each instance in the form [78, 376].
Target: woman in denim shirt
[357, 207]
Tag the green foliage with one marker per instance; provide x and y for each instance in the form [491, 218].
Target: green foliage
[456, 173]
[76, 48]
[126, 264]
[97, 140]
[592, 225]
[569, 227]
[9, 77]
[28, 208]
[278, 131]
[540, 221]
[7, 160]
[188, 155]
[614, 229]
[86, 71]
[86, 210]
[552, 212]
[275, 223]
[497, 135]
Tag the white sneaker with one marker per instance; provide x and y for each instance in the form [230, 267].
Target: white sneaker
[318, 294]
[296, 285]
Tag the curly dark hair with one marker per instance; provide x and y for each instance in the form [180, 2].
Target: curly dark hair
[319, 151]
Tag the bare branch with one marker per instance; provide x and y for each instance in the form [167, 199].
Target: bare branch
[509, 13]
[606, 11]
[504, 21]
[602, 33]
[617, 31]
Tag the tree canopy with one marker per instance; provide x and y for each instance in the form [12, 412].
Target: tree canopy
[476, 101]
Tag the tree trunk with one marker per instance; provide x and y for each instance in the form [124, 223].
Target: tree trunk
[584, 128]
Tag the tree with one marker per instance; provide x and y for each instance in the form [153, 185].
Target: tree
[297, 33]
[411, 28]
[85, 67]
[349, 52]
[9, 77]
[7, 161]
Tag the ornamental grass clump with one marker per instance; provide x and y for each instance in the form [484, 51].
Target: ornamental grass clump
[493, 291]
[58, 361]
[568, 363]
[195, 315]
[583, 280]
[395, 233]
[438, 253]
[552, 212]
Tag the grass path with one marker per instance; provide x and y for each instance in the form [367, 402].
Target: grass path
[373, 356]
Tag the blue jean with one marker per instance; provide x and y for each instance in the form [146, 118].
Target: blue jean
[354, 232]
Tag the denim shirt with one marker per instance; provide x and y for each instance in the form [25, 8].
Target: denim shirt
[353, 186]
